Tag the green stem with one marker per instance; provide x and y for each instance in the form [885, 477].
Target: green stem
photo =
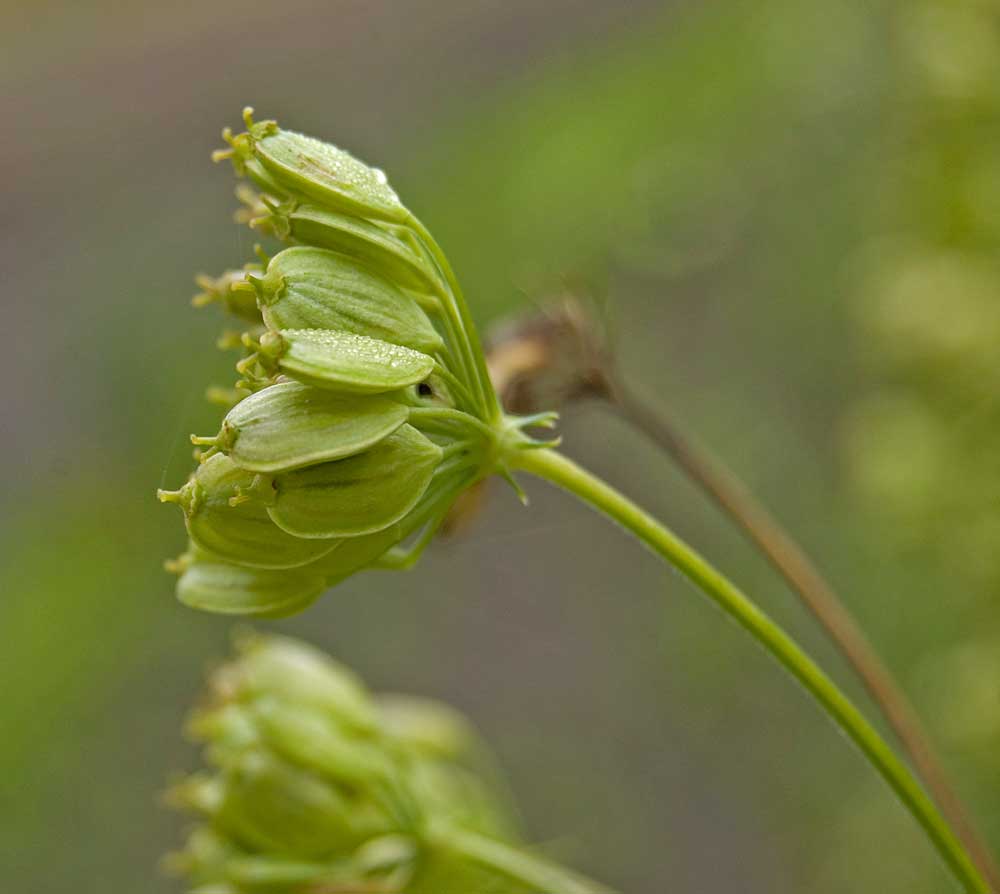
[402, 558]
[457, 343]
[422, 243]
[453, 382]
[450, 415]
[792, 562]
[514, 863]
[477, 355]
[564, 473]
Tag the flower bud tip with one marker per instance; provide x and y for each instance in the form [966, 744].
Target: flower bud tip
[271, 344]
[179, 565]
[244, 366]
[213, 445]
[187, 497]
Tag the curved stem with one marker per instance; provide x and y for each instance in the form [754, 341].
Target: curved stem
[793, 564]
[453, 382]
[564, 473]
[451, 415]
[515, 863]
[422, 243]
[453, 332]
[478, 357]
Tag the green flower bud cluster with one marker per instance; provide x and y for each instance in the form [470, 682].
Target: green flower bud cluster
[365, 407]
[315, 785]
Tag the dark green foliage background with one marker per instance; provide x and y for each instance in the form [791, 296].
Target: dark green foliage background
[715, 170]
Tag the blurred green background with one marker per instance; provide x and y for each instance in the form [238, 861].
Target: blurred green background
[793, 212]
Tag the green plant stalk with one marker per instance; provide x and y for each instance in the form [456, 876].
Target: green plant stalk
[563, 472]
[790, 560]
[514, 863]
[477, 361]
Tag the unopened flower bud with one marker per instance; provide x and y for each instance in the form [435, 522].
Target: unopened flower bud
[237, 530]
[315, 740]
[290, 670]
[342, 361]
[379, 247]
[309, 167]
[313, 288]
[268, 804]
[289, 425]
[358, 495]
[213, 585]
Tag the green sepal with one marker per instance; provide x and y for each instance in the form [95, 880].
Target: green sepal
[270, 805]
[314, 288]
[226, 589]
[242, 533]
[328, 175]
[343, 361]
[375, 246]
[359, 495]
[290, 425]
